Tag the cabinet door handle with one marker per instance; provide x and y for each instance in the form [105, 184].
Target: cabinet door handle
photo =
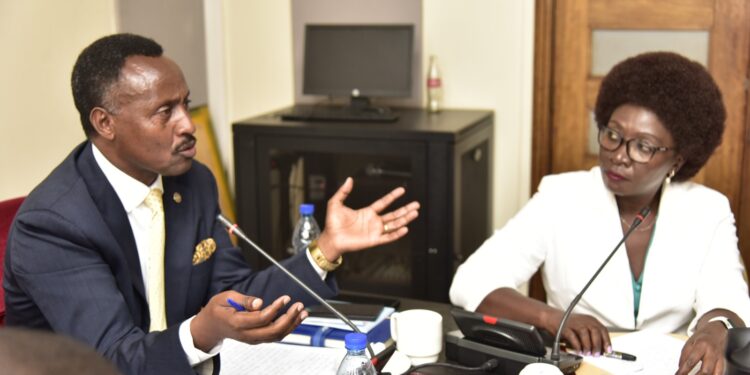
[477, 154]
[373, 171]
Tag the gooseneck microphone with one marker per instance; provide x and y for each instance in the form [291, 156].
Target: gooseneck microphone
[555, 354]
[234, 229]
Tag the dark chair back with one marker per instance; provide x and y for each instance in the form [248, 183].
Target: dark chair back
[738, 351]
[8, 209]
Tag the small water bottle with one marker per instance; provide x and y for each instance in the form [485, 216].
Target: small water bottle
[306, 230]
[356, 362]
[434, 87]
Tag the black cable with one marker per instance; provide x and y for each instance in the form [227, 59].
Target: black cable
[487, 366]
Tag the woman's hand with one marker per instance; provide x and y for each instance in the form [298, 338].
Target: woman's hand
[583, 333]
[349, 230]
[707, 346]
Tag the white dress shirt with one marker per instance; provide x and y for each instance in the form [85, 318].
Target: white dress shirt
[572, 224]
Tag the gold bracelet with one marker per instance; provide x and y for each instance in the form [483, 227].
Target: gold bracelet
[321, 260]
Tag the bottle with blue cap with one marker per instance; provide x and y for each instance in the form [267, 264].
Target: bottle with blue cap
[356, 362]
[306, 230]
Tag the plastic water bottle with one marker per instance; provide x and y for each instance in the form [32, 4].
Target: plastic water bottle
[434, 87]
[306, 230]
[356, 362]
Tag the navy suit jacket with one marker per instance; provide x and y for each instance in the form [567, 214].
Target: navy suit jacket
[72, 265]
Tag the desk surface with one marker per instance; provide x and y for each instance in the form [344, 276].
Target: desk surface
[239, 358]
[449, 325]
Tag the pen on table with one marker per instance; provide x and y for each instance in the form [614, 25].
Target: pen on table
[620, 355]
[236, 305]
[384, 355]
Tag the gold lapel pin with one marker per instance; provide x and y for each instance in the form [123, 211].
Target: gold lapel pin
[177, 197]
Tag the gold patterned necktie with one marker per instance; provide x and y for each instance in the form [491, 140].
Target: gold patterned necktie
[155, 263]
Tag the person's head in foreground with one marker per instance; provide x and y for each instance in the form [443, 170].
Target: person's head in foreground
[34, 352]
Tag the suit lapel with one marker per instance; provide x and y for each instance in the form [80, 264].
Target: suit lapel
[114, 215]
[178, 254]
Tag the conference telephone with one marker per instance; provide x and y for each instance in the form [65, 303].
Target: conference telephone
[501, 333]
[481, 337]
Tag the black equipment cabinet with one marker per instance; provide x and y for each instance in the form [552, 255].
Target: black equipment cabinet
[443, 160]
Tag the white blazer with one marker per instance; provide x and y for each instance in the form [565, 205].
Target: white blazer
[572, 224]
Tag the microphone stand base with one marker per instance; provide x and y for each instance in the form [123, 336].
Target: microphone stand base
[471, 353]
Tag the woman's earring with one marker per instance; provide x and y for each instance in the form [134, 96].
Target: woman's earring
[669, 177]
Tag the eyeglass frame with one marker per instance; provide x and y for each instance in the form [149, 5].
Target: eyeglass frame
[627, 143]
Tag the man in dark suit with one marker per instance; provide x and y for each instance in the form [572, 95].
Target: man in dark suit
[120, 247]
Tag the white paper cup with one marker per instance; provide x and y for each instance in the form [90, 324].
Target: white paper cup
[418, 334]
[540, 369]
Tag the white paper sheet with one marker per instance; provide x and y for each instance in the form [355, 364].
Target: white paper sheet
[238, 358]
[241, 359]
[656, 354]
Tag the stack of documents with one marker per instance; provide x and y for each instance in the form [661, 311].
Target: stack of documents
[238, 358]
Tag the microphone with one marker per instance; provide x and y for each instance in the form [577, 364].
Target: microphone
[555, 354]
[232, 228]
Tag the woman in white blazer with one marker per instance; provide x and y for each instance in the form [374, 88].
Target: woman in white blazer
[660, 117]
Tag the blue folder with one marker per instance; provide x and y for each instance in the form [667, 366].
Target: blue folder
[334, 337]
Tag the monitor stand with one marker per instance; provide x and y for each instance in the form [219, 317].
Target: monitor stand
[361, 103]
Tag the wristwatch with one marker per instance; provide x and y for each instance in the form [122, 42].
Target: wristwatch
[724, 320]
[321, 260]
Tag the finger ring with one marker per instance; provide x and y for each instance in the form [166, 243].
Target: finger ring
[385, 228]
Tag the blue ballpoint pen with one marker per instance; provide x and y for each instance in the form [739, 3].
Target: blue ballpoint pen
[236, 305]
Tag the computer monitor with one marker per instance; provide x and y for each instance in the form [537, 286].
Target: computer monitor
[358, 61]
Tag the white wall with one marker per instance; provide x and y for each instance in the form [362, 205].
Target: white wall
[258, 72]
[178, 25]
[485, 52]
[41, 40]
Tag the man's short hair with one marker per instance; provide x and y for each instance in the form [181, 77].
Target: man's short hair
[98, 67]
[36, 352]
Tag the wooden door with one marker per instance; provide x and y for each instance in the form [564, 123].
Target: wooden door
[577, 42]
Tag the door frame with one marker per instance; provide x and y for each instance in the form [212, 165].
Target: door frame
[541, 141]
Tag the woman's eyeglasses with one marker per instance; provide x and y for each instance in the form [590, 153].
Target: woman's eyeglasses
[639, 150]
